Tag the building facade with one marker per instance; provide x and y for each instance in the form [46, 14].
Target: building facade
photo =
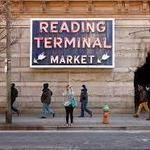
[113, 86]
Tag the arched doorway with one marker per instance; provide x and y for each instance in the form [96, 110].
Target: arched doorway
[141, 77]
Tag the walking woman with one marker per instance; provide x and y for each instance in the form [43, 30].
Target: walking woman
[68, 96]
[143, 101]
[84, 101]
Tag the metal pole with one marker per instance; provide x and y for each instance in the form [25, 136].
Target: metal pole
[8, 64]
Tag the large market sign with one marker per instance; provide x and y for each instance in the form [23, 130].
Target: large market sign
[82, 42]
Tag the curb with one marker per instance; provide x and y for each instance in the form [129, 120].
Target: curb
[38, 127]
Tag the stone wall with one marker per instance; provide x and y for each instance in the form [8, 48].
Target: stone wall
[112, 86]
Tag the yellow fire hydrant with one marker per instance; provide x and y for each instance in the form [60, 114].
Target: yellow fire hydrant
[105, 114]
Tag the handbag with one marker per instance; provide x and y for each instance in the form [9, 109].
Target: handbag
[74, 103]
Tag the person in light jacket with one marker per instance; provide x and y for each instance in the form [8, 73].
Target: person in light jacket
[68, 96]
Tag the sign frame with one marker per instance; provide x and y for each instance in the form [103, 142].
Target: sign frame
[73, 66]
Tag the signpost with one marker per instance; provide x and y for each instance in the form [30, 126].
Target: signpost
[72, 43]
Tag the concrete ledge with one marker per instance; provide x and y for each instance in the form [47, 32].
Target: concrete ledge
[38, 127]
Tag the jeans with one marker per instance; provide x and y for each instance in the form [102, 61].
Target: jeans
[47, 109]
[69, 112]
[13, 108]
[84, 108]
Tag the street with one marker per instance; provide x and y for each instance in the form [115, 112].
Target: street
[75, 140]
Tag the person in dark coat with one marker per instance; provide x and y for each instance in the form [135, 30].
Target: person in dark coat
[14, 95]
[46, 100]
[84, 101]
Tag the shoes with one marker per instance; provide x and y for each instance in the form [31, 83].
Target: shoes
[43, 117]
[91, 114]
[71, 124]
[147, 118]
[80, 116]
[53, 115]
[136, 115]
[66, 125]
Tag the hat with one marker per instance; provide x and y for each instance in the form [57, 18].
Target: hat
[45, 85]
[83, 86]
[12, 85]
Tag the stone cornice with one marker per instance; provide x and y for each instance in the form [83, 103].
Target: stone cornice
[81, 7]
[79, 0]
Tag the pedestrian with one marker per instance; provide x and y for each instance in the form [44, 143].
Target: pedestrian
[68, 96]
[14, 95]
[143, 101]
[148, 97]
[84, 102]
[46, 100]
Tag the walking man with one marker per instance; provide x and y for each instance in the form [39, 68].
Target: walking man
[14, 94]
[84, 101]
[46, 100]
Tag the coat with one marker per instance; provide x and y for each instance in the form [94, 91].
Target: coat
[143, 96]
[68, 96]
[84, 95]
[14, 94]
[46, 96]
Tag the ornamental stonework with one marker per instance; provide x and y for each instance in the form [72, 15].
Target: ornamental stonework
[84, 7]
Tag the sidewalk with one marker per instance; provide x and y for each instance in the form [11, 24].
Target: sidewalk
[117, 122]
